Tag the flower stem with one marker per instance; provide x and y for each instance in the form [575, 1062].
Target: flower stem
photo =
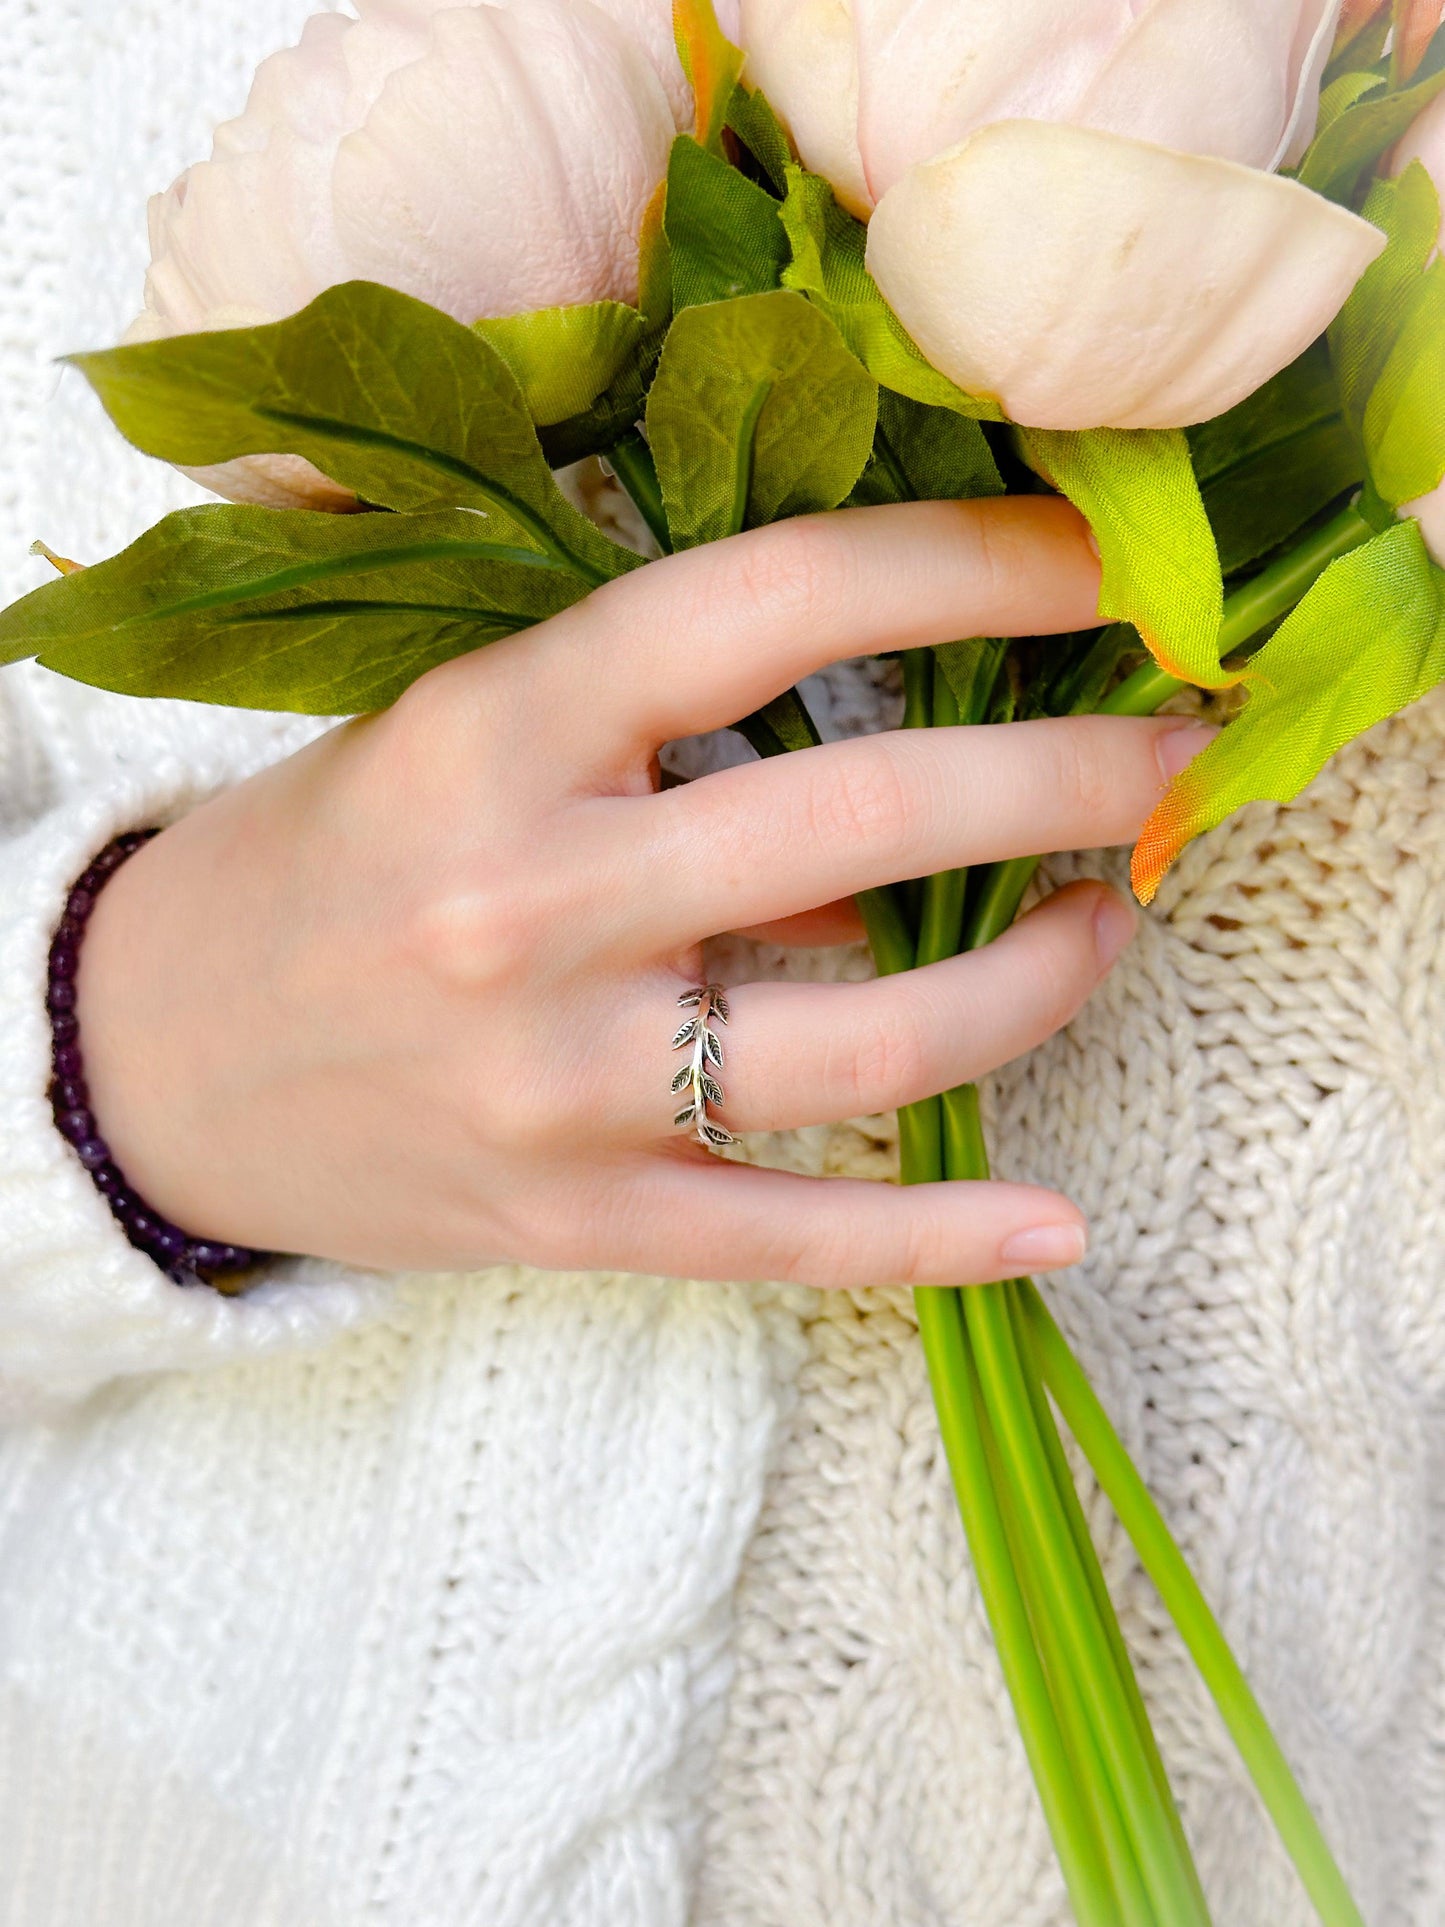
[1165, 1564]
[631, 462]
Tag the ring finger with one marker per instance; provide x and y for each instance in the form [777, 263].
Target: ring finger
[797, 1054]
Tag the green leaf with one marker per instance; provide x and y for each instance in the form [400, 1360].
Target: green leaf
[1273, 462]
[923, 454]
[780, 725]
[971, 669]
[1405, 418]
[762, 133]
[285, 608]
[389, 397]
[1407, 210]
[758, 412]
[723, 233]
[1367, 639]
[1137, 490]
[827, 247]
[564, 358]
[1356, 138]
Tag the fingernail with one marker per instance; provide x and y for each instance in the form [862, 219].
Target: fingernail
[1177, 748]
[1114, 926]
[1044, 1247]
[1093, 542]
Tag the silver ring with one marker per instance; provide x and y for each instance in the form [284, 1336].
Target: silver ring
[707, 1001]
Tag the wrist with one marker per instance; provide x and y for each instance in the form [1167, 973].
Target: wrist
[84, 1028]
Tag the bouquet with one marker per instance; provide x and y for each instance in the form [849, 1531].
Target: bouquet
[1179, 262]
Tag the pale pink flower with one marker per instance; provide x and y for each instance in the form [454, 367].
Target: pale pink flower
[488, 158]
[1074, 209]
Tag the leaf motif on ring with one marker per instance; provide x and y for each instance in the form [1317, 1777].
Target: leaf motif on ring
[720, 1006]
[715, 1134]
[685, 1115]
[685, 1033]
[712, 1047]
[692, 996]
[712, 1090]
[682, 1076]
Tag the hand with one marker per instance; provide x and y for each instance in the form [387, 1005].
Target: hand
[405, 999]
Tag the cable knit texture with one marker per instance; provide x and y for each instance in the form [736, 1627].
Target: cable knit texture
[617, 1602]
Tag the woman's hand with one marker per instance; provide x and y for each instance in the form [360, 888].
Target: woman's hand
[406, 998]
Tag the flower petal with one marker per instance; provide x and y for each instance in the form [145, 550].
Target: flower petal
[1089, 281]
[801, 54]
[509, 168]
[1234, 78]
[931, 72]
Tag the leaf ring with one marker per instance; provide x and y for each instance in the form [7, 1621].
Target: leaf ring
[706, 1001]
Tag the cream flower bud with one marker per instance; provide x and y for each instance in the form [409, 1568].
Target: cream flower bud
[487, 158]
[1073, 210]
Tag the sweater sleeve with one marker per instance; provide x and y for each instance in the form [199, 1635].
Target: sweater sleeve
[78, 1304]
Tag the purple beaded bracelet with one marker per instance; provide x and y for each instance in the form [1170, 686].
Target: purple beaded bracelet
[185, 1259]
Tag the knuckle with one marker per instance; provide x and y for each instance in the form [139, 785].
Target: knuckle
[796, 570]
[884, 1065]
[863, 798]
[1084, 773]
[479, 933]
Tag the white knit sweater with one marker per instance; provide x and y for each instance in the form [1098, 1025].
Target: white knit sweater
[617, 1602]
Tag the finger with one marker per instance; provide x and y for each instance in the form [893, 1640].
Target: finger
[696, 640]
[830, 923]
[703, 1217]
[817, 1053]
[763, 840]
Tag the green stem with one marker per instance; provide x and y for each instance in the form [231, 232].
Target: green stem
[631, 462]
[940, 918]
[1089, 1559]
[962, 1426]
[1169, 1888]
[1190, 1610]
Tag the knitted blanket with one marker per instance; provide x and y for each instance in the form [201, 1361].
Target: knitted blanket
[596, 1601]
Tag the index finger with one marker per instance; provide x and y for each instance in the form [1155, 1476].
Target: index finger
[696, 640]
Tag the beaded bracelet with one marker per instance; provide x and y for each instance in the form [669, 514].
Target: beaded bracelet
[185, 1259]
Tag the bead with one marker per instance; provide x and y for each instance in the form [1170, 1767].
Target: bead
[178, 1255]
